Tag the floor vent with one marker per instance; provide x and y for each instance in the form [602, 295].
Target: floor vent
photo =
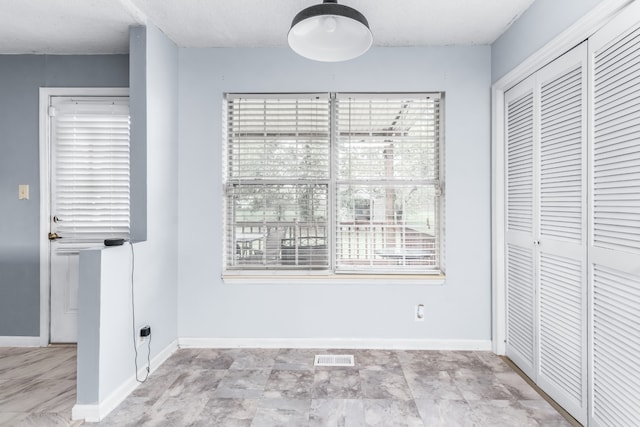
[334, 360]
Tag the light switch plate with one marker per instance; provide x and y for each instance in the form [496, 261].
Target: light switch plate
[23, 192]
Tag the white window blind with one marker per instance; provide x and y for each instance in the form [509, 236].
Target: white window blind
[344, 182]
[387, 182]
[277, 181]
[90, 177]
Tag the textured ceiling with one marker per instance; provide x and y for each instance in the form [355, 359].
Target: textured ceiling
[101, 26]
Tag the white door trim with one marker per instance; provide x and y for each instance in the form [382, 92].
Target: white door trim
[568, 39]
[45, 212]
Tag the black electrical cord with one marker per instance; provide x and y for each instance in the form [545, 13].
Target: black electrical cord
[133, 321]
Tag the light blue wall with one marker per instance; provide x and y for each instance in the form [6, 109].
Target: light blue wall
[458, 310]
[88, 355]
[207, 307]
[21, 76]
[541, 23]
[138, 112]
[104, 367]
[157, 258]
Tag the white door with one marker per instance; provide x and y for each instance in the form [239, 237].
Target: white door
[562, 220]
[614, 241]
[521, 133]
[546, 140]
[89, 183]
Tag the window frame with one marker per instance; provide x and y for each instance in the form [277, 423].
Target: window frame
[268, 275]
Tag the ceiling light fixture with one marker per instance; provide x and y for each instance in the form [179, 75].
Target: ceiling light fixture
[330, 32]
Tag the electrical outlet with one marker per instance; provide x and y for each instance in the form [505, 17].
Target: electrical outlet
[419, 313]
[145, 334]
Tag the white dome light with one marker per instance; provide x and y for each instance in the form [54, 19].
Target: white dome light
[330, 32]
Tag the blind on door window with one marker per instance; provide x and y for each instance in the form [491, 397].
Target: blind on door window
[277, 181]
[387, 182]
[91, 169]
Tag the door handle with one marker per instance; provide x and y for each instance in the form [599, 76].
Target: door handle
[54, 236]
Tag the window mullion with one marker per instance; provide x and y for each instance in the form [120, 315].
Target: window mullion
[333, 223]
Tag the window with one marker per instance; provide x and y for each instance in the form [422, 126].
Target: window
[90, 176]
[333, 182]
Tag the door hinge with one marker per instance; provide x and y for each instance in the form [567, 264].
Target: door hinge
[52, 111]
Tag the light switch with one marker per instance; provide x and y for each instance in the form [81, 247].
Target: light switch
[23, 192]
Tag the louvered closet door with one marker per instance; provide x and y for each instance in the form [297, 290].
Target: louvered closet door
[561, 258]
[520, 189]
[615, 222]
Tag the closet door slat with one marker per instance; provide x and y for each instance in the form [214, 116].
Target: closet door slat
[614, 244]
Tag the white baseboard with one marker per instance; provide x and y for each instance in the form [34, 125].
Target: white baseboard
[9, 341]
[93, 413]
[337, 343]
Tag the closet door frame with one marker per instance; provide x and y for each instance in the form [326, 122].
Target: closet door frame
[564, 42]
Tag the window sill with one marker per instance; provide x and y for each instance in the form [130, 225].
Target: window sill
[335, 279]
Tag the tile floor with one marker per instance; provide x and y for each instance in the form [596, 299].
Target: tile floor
[244, 387]
[37, 386]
